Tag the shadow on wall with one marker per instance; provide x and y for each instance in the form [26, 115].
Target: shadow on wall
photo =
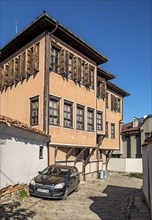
[25, 139]
[14, 211]
[7, 177]
[114, 204]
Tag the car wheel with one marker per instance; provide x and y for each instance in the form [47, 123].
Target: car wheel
[76, 189]
[65, 195]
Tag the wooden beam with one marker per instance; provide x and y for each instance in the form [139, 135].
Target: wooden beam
[78, 156]
[55, 153]
[100, 139]
[109, 156]
[86, 162]
[87, 159]
[69, 153]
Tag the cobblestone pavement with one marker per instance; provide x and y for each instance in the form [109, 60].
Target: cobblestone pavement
[117, 197]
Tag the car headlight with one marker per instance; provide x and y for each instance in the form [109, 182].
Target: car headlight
[32, 182]
[59, 186]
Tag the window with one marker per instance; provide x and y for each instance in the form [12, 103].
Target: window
[112, 131]
[54, 111]
[112, 102]
[34, 111]
[32, 59]
[90, 121]
[118, 105]
[106, 131]
[79, 70]
[29, 60]
[70, 65]
[92, 77]
[107, 95]
[99, 120]
[80, 117]
[115, 103]
[11, 72]
[82, 71]
[22, 63]
[55, 60]
[41, 152]
[36, 57]
[68, 122]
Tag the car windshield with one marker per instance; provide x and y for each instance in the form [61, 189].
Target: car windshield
[55, 171]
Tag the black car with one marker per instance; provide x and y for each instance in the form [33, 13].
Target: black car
[56, 181]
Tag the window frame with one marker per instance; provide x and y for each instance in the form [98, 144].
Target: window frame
[99, 119]
[119, 105]
[34, 99]
[80, 107]
[55, 59]
[92, 77]
[112, 130]
[57, 100]
[90, 110]
[107, 100]
[66, 119]
[70, 65]
[41, 150]
[107, 130]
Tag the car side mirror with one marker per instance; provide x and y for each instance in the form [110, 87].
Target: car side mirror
[72, 177]
[39, 172]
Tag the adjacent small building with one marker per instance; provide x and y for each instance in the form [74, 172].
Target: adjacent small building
[131, 139]
[23, 151]
[146, 135]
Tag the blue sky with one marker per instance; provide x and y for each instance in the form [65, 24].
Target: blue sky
[121, 30]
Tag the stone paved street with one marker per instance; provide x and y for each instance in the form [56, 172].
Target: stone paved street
[117, 197]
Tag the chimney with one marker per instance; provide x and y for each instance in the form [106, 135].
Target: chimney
[134, 122]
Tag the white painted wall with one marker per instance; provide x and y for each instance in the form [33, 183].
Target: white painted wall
[147, 174]
[19, 156]
[125, 165]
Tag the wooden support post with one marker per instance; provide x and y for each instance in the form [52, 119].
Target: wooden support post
[55, 153]
[100, 139]
[69, 154]
[79, 155]
[87, 159]
[108, 157]
[85, 164]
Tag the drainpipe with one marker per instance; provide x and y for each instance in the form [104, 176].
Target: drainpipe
[96, 142]
[47, 81]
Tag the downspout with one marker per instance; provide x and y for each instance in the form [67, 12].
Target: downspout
[47, 82]
[120, 125]
[96, 143]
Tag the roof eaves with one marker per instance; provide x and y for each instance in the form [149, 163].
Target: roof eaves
[45, 15]
[22, 31]
[117, 89]
[106, 73]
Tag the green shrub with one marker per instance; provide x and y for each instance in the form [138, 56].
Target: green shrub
[22, 194]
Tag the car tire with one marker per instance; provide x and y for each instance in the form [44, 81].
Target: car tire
[76, 189]
[65, 195]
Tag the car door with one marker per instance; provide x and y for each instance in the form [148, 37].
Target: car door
[72, 180]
